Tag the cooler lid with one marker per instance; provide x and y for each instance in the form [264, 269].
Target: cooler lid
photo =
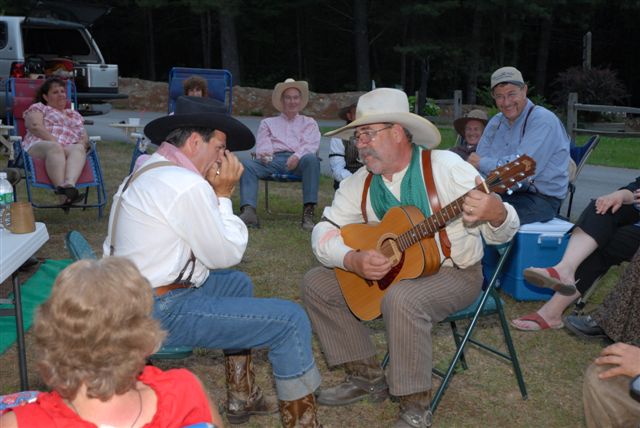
[556, 225]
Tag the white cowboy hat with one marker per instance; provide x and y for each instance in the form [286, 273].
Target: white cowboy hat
[302, 86]
[392, 106]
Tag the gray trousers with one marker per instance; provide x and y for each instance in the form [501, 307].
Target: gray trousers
[409, 308]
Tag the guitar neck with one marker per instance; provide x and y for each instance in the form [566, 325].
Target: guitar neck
[499, 180]
[435, 222]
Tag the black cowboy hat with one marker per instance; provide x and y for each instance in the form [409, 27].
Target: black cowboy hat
[200, 112]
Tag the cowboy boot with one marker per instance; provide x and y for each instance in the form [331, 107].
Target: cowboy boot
[415, 411]
[249, 216]
[365, 378]
[307, 216]
[244, 397]
[300, 413]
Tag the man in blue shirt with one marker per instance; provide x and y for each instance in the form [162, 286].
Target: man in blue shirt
[520, 128]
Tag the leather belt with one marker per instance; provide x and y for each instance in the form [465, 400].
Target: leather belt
[161, 291]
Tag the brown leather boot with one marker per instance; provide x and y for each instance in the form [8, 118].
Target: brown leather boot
[244, 397]
[365, 378]
[415, 411]
[300, 413]
[307, 216]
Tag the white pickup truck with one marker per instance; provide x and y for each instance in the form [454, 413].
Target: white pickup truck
[38, 47]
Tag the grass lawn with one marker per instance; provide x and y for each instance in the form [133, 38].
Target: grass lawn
[277, 257]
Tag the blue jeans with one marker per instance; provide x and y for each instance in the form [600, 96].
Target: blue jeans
[533, 207]
[222, 314]
[308, 168]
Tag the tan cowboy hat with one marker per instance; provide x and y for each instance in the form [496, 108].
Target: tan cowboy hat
[390, 105]
[475, 114]
[302, 86]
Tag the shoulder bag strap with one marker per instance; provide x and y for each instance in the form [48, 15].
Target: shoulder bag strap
[434, 201]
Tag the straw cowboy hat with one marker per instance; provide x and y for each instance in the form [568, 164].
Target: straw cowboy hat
[390, 105]
[276, 96]
[475, 114]
[199, 112]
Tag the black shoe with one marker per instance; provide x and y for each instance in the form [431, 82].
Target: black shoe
[584, 326]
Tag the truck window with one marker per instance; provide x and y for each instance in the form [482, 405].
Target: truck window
[54, 41]
[3, 35]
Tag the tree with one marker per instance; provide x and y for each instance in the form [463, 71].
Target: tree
[361, 44]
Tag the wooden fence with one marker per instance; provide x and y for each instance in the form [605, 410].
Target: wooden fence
[617, 130]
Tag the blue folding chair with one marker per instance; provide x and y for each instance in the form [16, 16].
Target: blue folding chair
[79, 249]
[487, 303]
[219, 84]
[20, 94]
[580, 154]
[219, 87]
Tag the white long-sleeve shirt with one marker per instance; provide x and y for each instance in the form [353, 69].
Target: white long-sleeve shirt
[166, 213]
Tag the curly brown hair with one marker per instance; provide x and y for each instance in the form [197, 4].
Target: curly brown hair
[96, 328]
[46, 86]
[195, 82]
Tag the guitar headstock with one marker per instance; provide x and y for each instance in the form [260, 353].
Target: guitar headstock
[505, 177]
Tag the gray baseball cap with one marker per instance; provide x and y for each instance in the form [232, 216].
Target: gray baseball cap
[507, 75]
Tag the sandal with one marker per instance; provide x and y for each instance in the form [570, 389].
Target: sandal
[551, 280]
[71, 194]
[540, 323]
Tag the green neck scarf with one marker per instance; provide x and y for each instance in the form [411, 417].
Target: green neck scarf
[412, 189]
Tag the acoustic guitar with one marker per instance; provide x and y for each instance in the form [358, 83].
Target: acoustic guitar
[407, 239]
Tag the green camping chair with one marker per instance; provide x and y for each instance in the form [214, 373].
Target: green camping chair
[487, 303]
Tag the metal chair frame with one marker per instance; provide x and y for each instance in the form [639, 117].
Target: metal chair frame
[488, 303]
[279, 178]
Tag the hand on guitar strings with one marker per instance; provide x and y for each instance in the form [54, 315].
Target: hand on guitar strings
[369, 264]
[479, 206]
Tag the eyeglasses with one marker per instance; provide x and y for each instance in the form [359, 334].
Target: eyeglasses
[510, 96]
[368, 135]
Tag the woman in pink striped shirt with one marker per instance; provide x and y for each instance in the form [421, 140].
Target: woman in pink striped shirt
[56, 135]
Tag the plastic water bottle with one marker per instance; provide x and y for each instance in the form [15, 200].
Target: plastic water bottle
[6, 196]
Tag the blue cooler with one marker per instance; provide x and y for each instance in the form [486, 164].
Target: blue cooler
[536, 244]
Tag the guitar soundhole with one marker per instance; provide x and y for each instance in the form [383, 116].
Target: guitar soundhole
[386, 281]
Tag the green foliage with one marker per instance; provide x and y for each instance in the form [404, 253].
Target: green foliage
[430, 108]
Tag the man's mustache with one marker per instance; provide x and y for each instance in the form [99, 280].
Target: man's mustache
[362, 153]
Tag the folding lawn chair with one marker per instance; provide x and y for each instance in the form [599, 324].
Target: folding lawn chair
[219, 84]
[219, 87]
[20, 93]
[487, 303]
[580, 154]
[79, 249]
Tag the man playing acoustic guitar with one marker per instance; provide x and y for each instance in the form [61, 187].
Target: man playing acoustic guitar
[392, 143]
